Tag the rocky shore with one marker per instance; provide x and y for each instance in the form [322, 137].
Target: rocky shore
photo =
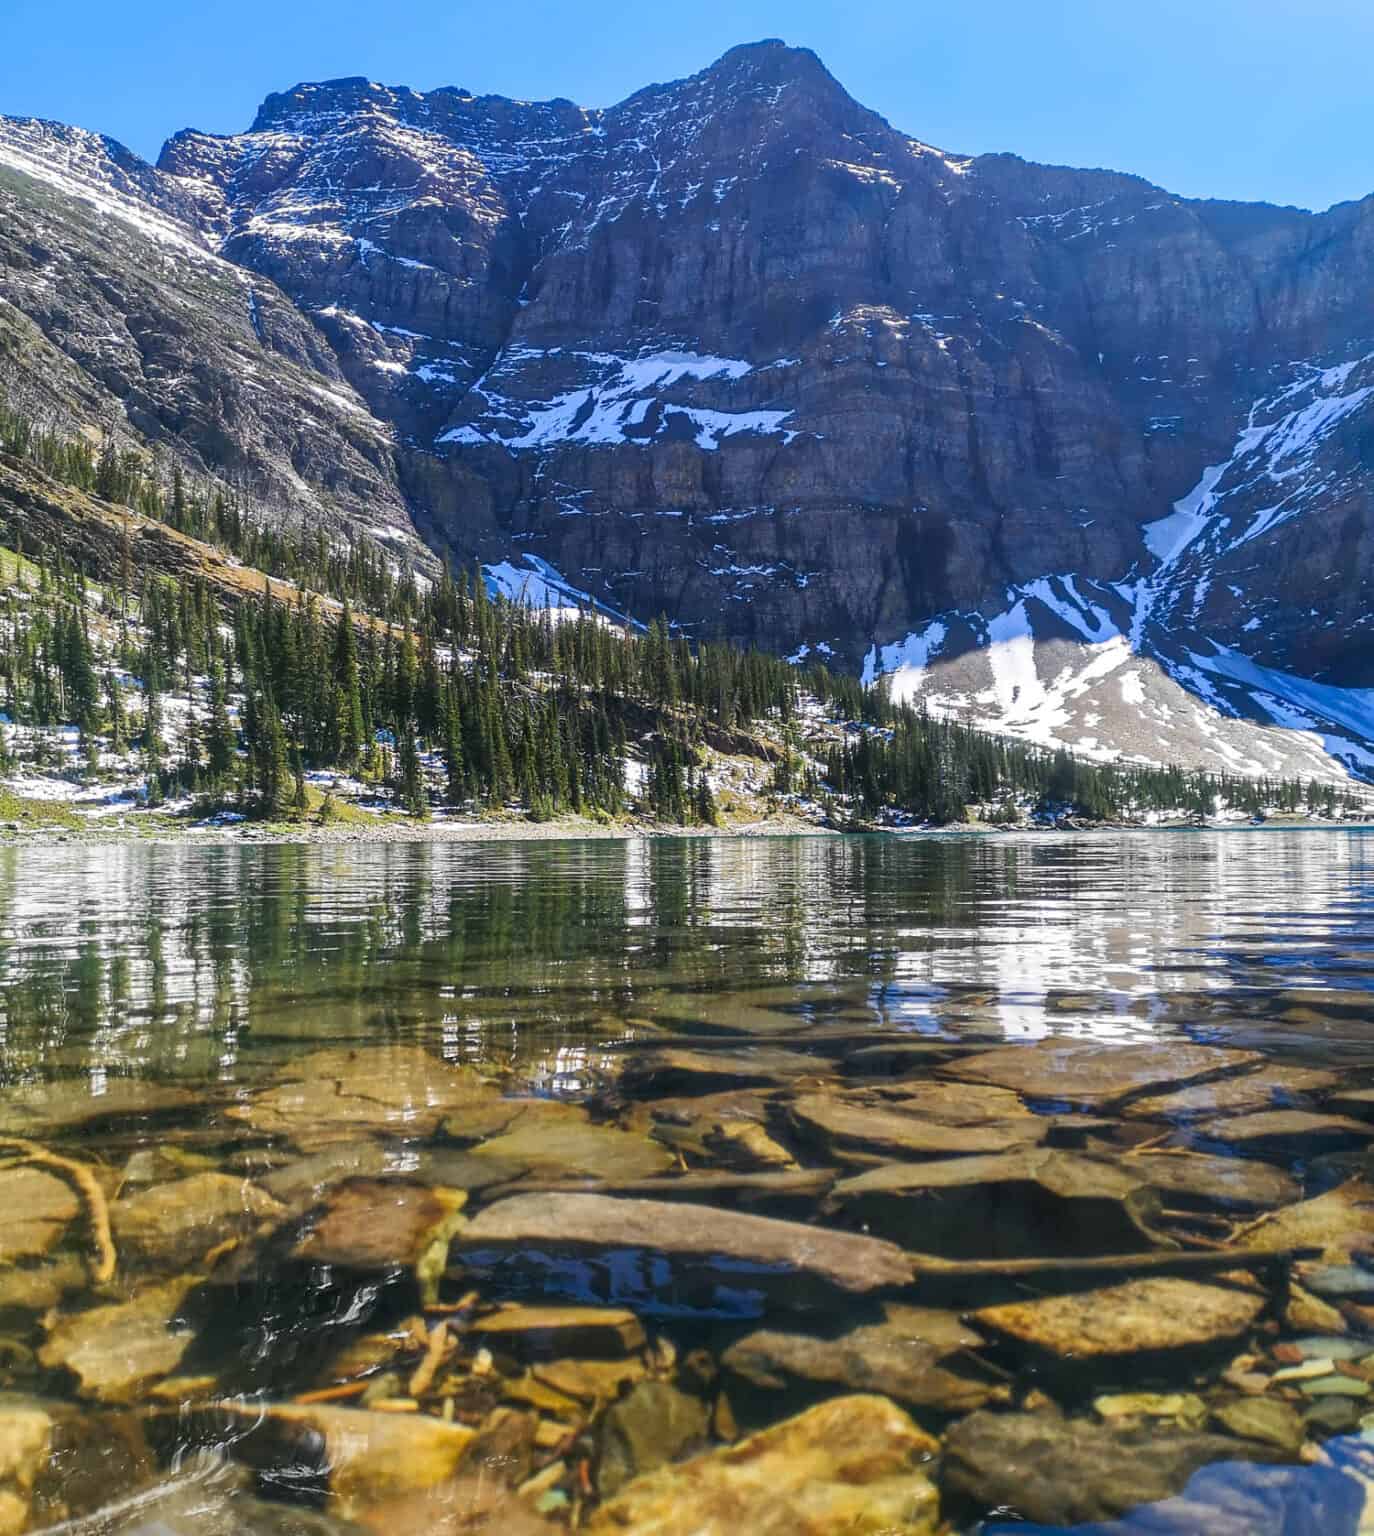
[805, 1285]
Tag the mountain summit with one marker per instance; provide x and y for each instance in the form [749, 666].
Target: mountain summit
[1063, 453]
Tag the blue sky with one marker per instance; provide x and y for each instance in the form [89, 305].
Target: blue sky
[1230, 98]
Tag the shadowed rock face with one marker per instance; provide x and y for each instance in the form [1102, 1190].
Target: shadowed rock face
[740, 350]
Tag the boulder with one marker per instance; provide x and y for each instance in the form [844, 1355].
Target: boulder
[173, 1225]
[908, 1355]
[1139, 1317]
[1058, 1472]
[1092, 1075]
[116, 1352]
[854, 1464]
[651, 1425]
[654, 1254]
[1033, 1203]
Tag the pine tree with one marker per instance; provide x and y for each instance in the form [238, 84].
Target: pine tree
[413, 795]
[272, 769]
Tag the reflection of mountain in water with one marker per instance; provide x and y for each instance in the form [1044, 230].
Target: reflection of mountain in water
[183, 959]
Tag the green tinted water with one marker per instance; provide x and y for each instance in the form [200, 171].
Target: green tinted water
[549, 965]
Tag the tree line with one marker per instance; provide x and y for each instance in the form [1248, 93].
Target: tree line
[440, 690]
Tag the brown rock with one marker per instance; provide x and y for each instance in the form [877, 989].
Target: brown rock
[846, 1124]
[1225, 1183]
[854, 1464]
[1063, 1471]
[651, 1425]
[1293, 1131]
[1091, 1075]
[36, 1110]
[368, 1458]
[1139, 1317]
[540, 1333]
[35, 1210]
[1267, 1419]
[1269, 1087]
[550, 1138]
[910, 1356]
[338, 1094]
[172, 1225]
[382, 1225]
[655, 1074]
[1336, 1222]
[116, 1352]
[1035, 1204]
[714, 1257]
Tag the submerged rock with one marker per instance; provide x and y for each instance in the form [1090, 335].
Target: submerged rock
[1033, 1203]
[1270, 1087]
[696, 1127]
[173, 1225]
[847, 1124]
[36, 1110]
[852, 1465]
[1184, 1410]
[25, 1444]
[36, 1208]
[653, 1424]
[1059, 1472]
[383, 1226]
[542, 1333]
[1268, 1419]
[1337, 1222]
[551, 1138]
[301, 1181]
[1293, 1131]
[1088, 1074]
[907, 1356]
[338, 1094]
[678, 1071]
[674, 1258]
[117, 1352]
[359, 1457]
[795, 1189]
[1139, 1317]
[1226, 1183]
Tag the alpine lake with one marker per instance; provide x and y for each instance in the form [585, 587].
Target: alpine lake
[820, 1185]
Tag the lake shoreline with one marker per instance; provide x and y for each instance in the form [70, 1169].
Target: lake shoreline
[398, 830]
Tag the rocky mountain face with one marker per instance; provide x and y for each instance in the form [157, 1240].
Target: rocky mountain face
[1043, 442]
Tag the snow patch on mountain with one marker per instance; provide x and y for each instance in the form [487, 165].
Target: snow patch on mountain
[105, 177]
[622, 401]
[1068, 663]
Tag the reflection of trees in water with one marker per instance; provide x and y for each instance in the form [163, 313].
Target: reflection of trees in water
[201, 961]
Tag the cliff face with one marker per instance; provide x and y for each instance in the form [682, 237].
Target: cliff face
[740, 351]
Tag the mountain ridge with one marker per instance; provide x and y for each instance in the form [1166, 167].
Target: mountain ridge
[738, 350]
